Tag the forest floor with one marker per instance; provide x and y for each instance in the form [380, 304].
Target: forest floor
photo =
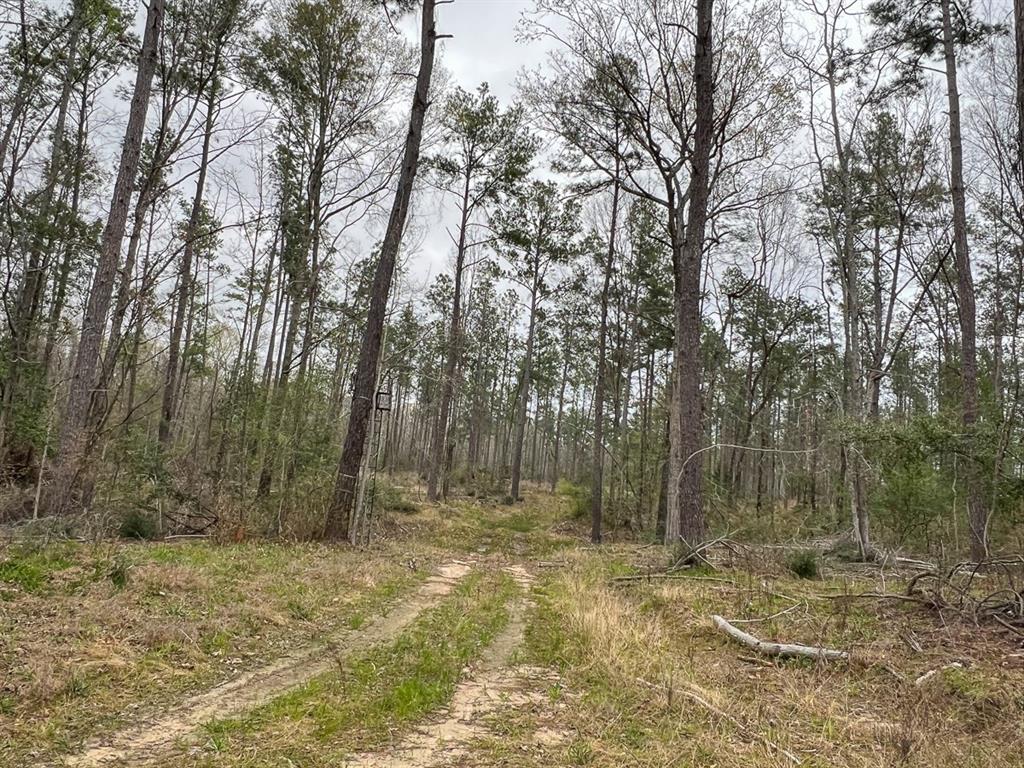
[477, 634]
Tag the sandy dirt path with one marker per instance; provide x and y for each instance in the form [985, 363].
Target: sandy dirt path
[150, 738]
[495, 684]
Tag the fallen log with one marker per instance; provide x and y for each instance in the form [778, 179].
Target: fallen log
[781, 650]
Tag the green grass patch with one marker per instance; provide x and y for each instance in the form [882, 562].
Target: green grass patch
[192, 614]
[518, 522]
[30, 569]
[376, 693]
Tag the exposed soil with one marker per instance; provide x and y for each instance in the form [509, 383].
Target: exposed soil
[154, 736]
[493, 686]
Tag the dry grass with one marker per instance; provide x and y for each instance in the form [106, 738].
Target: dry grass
[633, 672]
[90, 634]
[661, 687]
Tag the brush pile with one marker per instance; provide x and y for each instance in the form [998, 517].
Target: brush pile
[982, 592]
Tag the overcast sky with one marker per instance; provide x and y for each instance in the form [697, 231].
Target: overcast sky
[484, 48]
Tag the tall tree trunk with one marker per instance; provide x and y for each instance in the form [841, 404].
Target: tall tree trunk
[556, 448]
[438, 449]
[853, 365]
[686, 510]
[73, 440]
[339, 513]
[597, 470]
[1018, 37]
[977, 513]
[524, 393]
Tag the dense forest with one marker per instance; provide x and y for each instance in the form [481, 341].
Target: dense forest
[734, 267]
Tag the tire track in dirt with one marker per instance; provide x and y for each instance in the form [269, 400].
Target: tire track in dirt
[150, 738]
[493, 686]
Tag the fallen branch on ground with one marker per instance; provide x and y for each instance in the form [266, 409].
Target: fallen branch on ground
[878, 596]
[781, 650]
[667, 577]
[697, 553]
[932, 673]
[959, 591]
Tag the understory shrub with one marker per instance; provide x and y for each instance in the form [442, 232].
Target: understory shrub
[803, 564]
[138, 525]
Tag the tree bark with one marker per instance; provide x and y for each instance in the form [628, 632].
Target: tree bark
[73, 440]
[686, 510]
[977, 513]
[339, 513]
[597, 480]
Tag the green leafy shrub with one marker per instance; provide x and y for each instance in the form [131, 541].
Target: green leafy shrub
[138, 525]
[803, 564]
[579, 497]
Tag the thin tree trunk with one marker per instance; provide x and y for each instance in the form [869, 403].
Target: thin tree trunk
[597, 478]
[977, 513]
[170, 393]
[64, 270]
[438, 449]
[557, 438]
[1018, 37]
[524, 393]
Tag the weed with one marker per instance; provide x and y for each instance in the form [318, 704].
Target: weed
[299, 610]
[580, 752]
[119, 572]
[76, 686]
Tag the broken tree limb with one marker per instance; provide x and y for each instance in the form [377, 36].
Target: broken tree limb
[781, 650]
[933, 672]
[640, 577]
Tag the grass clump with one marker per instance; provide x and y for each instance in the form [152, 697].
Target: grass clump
[804, 564]
[120, 571]
[391, 498]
